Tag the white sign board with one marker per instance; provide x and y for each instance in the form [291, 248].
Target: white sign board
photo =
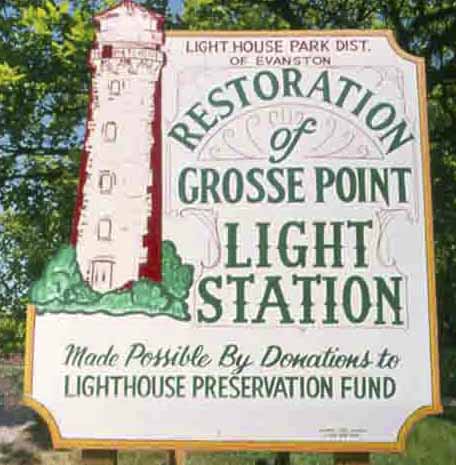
[294, 306]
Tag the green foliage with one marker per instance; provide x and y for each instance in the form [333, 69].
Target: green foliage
[146, 293]
[279, 14]
[177, 278]
[62, 283]
[12, 333]
[61, 289]
[448, 372]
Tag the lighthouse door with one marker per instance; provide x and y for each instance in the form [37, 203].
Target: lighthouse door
[102, 275]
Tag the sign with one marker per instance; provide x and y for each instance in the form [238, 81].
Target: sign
[251, 264]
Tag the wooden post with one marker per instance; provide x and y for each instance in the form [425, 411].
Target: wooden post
[176, 457]
[99, 457]
[282, 458]
[351, 459]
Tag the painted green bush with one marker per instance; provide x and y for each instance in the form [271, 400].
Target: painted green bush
[61, 289]
[177, 278]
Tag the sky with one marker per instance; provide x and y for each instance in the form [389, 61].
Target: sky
[176, 5]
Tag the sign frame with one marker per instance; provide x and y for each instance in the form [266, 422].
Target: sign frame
[60, 442]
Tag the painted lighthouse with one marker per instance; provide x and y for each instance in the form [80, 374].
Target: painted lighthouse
[117, 222]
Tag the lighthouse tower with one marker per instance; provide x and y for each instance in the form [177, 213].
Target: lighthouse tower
[117, 222]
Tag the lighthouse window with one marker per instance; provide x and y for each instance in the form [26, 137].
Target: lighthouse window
[152, 25]
[101, 275]
[114, 87]
[106, 51]
[104, 229]
[110, 131]
[106, 182]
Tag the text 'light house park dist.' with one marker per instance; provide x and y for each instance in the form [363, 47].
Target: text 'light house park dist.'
[252, 238]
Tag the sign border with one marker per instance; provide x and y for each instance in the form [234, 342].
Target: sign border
[60, 442]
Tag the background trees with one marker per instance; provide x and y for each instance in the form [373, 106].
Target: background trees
[43, 99]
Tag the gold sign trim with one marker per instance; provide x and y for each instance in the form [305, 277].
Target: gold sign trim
[59, 442]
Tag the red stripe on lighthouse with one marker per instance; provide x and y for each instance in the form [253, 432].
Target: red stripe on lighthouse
[152, 240]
